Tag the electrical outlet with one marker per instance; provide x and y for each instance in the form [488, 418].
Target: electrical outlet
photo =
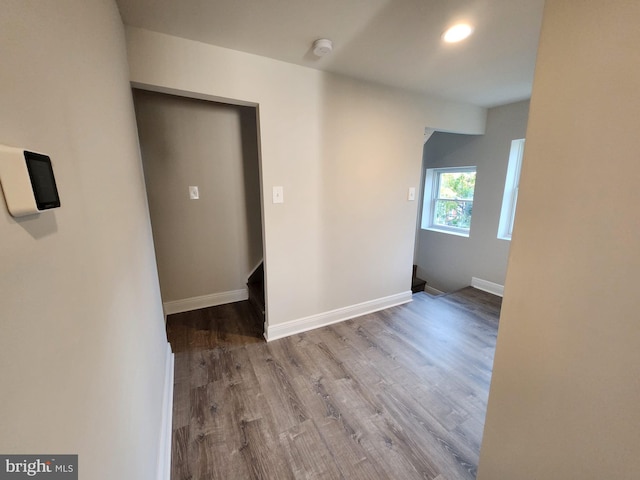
[278, 195]
[193, 193]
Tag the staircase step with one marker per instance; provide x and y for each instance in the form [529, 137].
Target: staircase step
[417, 284]
[256, 296]
[255, 284]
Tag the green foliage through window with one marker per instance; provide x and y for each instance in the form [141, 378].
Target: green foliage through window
[458, 185]
[453, 202]
[448, 199]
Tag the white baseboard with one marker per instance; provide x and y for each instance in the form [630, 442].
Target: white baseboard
[273, 332]
[204, 301]
[432, 291]
[164, 450]
[487, 286]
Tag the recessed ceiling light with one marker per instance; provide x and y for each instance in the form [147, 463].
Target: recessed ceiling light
[457, 33]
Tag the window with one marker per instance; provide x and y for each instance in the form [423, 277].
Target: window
[510, 197]
[448, 199]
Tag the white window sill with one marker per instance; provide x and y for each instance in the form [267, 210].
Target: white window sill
[448, 232]
[504, 237]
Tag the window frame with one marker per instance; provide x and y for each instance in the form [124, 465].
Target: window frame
[431, 189]
[511, 189]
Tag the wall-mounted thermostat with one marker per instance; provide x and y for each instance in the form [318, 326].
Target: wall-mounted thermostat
[27, 181]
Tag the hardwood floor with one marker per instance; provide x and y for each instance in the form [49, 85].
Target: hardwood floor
[397, 394]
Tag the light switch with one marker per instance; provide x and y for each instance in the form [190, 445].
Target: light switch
[193, 193]
[412, 194]
[278, 195]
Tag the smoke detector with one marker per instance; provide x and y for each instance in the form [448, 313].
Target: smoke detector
[322, 47]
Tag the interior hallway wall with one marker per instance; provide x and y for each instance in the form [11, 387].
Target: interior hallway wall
[564, 394]
[345, 152]
[448, 262]
[210, 245]
[82, 342]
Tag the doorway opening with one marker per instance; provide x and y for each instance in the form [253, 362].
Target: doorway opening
[202, 175]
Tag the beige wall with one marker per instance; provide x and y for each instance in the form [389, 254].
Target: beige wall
[448, 262]
[82, 342]
[564, 400]
[206, 246]
[345, 152]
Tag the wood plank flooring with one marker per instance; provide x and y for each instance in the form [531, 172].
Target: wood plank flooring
[397, 394]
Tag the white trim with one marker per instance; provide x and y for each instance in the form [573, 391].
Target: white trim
[510, 196]
[204, 301]
[273, 332]
[464, 234]
[430, 198]
[163, 471]
[487, 286]
[427, 134]
[252, 271]
[432, 291]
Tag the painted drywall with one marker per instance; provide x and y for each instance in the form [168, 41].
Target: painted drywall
[448, 262]
[82, 345]
[210, 245]
[345, 152]
[564, 395]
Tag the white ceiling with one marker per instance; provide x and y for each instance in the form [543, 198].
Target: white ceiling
[393, 42]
